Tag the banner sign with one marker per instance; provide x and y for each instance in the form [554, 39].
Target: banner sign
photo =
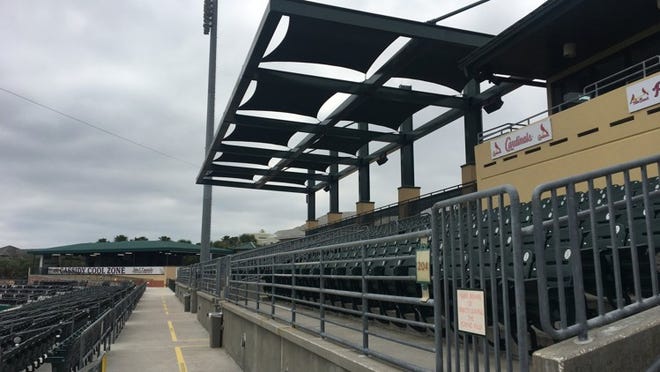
[108, 270]
[531, 135]
[471, 311]
[643, 94]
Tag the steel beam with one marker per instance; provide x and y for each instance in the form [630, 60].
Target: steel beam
[247, 185]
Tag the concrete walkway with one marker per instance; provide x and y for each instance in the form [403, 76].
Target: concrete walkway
[161, 337]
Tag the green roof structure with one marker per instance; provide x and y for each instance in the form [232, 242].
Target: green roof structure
[128, 246]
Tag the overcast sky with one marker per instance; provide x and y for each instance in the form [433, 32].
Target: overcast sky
[138, 69]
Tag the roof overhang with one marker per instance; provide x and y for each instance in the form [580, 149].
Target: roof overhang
[533, 47]
[322, 34]
[128, 246]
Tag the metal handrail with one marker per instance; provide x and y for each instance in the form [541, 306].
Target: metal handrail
[572, 218]
[645, 67]
[590, 91]
[396, 205]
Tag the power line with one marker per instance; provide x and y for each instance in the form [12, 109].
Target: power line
[84, 122]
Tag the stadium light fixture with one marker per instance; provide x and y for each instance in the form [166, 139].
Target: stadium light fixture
[493, 105]
[209, 15]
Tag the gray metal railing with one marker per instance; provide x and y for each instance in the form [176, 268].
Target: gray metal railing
[477, 247]
[213, 275]
[586, 257]
[343, 292]
[595, 248]
[354, 291]
[183, 275]
[625, 76]
[208, 274]
[390, 213]
[83, 347]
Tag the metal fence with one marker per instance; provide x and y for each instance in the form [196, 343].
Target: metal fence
[369, 295]
[389, 214]
[360, 294]
[595, 247]
[213, 275]
[583, 253]
[85, 345]
[477, 253]
[183, 275]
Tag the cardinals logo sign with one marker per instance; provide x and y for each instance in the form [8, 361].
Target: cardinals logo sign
[531, 135]
[497, 150]
[644, 94]
[544, 133]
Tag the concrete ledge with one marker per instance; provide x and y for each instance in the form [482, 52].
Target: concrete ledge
[180, 290]
[298, 350]
[630, 344]
[206, 303]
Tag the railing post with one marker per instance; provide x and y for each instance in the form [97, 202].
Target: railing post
[293, 289]
[576, 264]
[218, 277]
[437, 227]
[365, 302]
[272, 289]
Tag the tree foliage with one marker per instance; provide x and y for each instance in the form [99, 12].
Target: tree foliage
[164, 238]
[15, 267]
[121, 238]
[234, 241]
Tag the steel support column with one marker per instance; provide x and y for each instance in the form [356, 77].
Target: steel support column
[407, 152]
[311, 198]
[364, 181]
[473, 121]
[334, 185]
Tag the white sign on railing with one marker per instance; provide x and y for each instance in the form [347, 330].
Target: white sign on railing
[531, 135]
[471, 311]
[643, 94]
[107, 270]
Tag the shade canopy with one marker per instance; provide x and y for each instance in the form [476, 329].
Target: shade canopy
[289, 100]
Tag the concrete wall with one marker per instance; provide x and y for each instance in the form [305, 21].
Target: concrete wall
[206, 304]
[630, 344]
[258, 344]
[180, 290]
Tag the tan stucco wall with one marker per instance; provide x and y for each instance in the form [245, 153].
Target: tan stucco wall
[610, 145]
[364, 207]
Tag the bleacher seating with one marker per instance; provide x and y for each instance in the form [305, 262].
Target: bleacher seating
[36, 331]
[20, 294]
[487, 254]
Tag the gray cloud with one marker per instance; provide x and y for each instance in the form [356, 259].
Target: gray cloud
[138, 69]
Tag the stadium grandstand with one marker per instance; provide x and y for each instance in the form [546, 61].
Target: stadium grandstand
[152, 262]
[544, 258]
[551, 236]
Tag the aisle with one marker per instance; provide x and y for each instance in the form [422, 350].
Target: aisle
[161, 337]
